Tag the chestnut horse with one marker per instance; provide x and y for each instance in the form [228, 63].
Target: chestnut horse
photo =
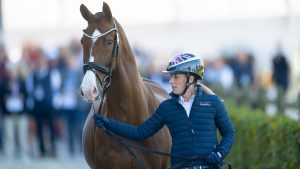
[112, 77]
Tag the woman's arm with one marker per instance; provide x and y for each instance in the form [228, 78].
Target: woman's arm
[142, 132]
[226, 129]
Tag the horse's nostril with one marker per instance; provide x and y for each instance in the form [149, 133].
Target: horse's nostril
[95, 91]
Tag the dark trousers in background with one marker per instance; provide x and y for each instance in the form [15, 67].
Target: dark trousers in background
[72, 125]
[280, 100]
[44, 118]
[74, 120]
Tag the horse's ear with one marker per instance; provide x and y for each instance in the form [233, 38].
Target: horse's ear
[86, 14]
[106, 11]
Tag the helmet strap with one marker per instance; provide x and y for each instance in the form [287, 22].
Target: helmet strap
[187, 84]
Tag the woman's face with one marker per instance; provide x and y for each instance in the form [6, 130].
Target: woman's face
[177, 82]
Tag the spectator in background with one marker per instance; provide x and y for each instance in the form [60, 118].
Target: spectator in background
[211, 74]
[225, 76]
[69, 105]
[83, 107]
[31, 63]
[52, 57]
[3, 78]
[244, 76]
[280, 76]
[43, 107]
[15, 117]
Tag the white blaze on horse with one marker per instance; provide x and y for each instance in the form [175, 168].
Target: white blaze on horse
[90, 87]
[112, 77]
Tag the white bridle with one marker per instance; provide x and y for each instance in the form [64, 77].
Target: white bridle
[98, 34]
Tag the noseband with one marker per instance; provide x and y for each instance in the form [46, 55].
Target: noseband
[92, 66]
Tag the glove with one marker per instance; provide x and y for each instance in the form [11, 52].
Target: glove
[100, 121]
[214, 158]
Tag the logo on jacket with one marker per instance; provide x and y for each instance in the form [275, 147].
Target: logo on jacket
[205, 103]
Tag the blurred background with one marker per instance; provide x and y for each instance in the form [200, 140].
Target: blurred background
[251, 50]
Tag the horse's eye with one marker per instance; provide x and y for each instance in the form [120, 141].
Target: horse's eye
[108, 42]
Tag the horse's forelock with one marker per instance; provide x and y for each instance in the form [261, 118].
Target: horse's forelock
[101, 20]
[98, 15]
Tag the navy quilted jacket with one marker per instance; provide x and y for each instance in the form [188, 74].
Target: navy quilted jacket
[191, 136]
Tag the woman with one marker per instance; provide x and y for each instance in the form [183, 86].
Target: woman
[191, 115]
[15, 119]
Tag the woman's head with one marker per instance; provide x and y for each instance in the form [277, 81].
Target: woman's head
[185, 70]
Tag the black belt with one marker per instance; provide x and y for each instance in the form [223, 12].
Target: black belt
[196, 167]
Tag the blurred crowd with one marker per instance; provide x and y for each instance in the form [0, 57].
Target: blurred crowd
[236, 76]
[40, 102]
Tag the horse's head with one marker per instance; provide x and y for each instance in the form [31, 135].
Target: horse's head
[100, 43]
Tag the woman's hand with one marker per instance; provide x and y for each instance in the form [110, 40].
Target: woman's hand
[214, 158]
[100, 121]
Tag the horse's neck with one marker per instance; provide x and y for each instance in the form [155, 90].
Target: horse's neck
[126, 95]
